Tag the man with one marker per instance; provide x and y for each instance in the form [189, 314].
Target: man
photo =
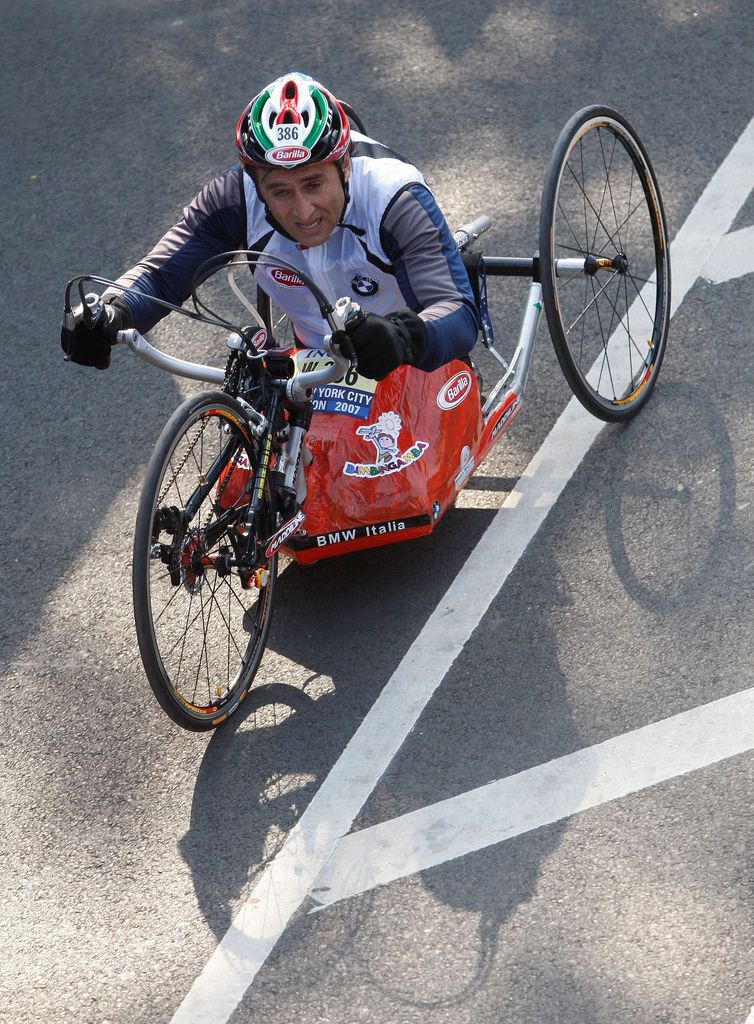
[354, 216]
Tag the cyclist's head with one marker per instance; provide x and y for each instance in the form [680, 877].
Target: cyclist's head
[293, 121]
[291, 128]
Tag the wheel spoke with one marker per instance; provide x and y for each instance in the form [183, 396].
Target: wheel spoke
[226, 621]
[204, 656]
[639, 206]
[626, 327]
[628, 330]
[607, 178]
[640, 295]
[610, 187]
[589, 305]
[173, 596]
[605, 358]
[581, 250]
[588, 201]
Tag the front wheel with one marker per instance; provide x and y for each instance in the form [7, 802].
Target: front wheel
[201, 619]
[604, 263]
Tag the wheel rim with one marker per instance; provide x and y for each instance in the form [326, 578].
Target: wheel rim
[613, 318]
[207, 624]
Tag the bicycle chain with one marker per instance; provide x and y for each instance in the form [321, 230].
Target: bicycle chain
[221, 486]
[232, 375]
[230, 387]
[183, 462]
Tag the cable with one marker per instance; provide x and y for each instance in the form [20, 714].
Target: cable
[77, 281]
[204, 272]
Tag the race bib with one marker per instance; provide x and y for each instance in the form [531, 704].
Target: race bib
[351, 395]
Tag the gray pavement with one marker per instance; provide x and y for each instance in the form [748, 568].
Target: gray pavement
[128, 844]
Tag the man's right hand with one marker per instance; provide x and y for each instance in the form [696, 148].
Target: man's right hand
[90, 346]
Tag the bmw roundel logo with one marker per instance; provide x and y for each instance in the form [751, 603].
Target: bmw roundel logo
[364, 285]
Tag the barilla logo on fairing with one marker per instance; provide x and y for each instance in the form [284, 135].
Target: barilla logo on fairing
[455, 390]
[286, 530]
[282, 276]
[288, 155]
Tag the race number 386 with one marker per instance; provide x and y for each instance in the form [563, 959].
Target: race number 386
[287, 132]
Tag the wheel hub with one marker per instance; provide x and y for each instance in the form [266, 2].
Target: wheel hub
[192, 570]
[620, 263]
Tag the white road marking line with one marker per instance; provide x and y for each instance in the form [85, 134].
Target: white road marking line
[733, 257]
[750, 1018]
[712, 216]
[538, 796]
[286, 881]
[481, 500]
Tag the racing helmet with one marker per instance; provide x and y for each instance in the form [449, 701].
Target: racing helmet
[291, 122]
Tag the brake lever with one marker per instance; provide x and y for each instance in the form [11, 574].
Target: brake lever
[89, 311]
[347, 313]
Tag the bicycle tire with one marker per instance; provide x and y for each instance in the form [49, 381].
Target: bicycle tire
[192, 617]
[601, 200]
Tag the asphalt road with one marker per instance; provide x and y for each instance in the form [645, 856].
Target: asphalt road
[129, 845]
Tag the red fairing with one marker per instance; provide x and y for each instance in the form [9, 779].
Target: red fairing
[390, 475]
[235, 482]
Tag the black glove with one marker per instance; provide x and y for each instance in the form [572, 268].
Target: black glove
[90, 346]
[381, 343]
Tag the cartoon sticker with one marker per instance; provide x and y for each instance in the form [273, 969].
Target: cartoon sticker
[388, 459]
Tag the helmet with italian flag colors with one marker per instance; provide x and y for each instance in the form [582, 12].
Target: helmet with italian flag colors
[293, 121]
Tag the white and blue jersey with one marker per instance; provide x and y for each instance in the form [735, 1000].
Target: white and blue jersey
[392, 248]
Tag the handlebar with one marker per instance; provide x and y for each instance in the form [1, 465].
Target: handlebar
[180, 367]
[469, 232]
[297, 388]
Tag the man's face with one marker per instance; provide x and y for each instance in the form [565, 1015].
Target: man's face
[307, 201]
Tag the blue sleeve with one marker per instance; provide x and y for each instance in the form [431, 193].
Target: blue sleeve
[431, 275]
[214, 222]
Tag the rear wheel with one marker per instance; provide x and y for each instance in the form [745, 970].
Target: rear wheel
[201, 623]
[608, 307]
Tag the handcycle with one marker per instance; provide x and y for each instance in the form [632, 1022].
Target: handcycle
[272, 460]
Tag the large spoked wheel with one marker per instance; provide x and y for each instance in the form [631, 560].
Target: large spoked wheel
[604, 263]
[201, 622]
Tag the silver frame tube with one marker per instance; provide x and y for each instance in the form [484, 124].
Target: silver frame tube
[514, 379]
